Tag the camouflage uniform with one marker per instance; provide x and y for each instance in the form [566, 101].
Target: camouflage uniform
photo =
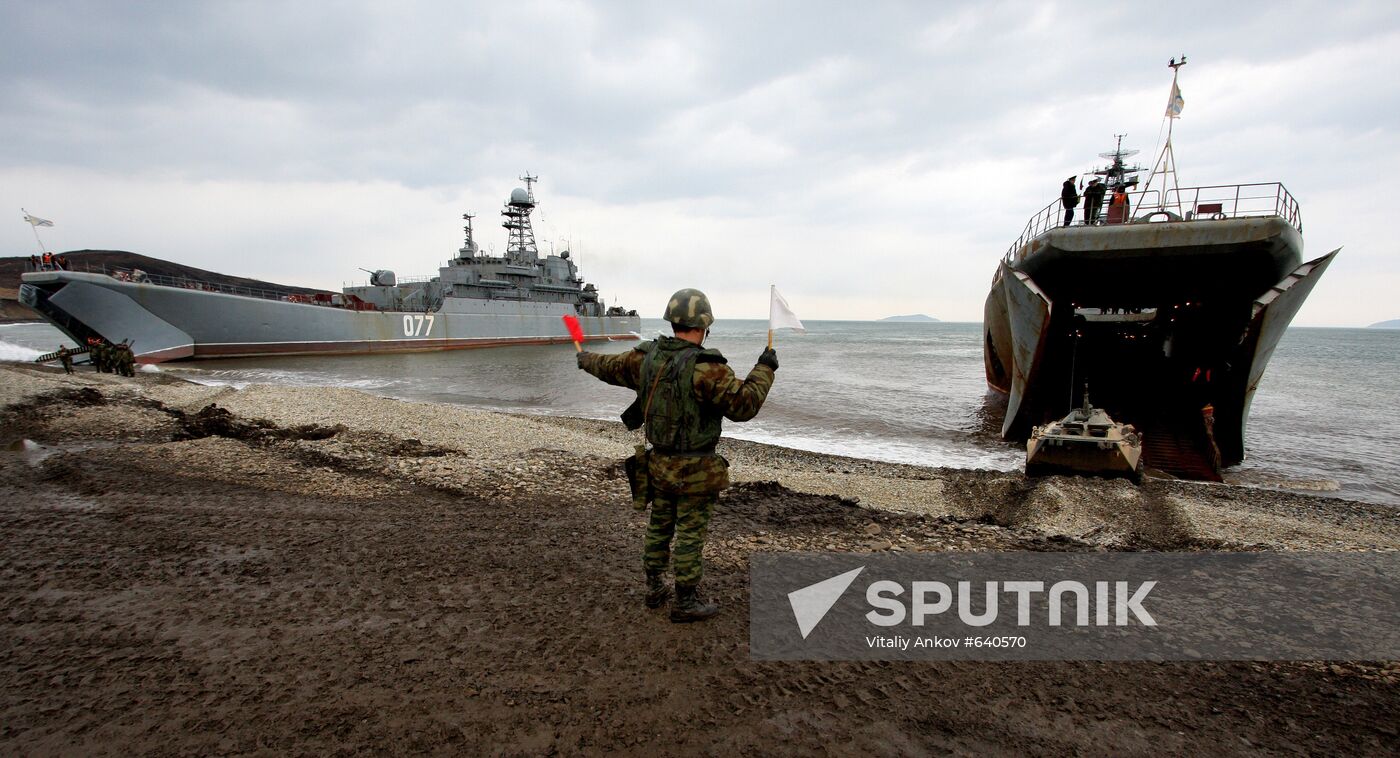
[66, 359]
[126, 361]
[687, 392]
[687, 482]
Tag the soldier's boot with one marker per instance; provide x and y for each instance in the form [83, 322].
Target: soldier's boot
[658, 592]
[690, 607]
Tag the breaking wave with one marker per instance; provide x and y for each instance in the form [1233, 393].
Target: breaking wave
[11, 352]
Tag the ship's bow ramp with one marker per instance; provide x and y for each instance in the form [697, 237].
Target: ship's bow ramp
[1014, 341]
[76, 306]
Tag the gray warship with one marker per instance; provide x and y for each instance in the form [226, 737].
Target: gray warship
[476, 300]
[1171, 306]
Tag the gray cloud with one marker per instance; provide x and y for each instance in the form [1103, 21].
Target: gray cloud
[806, 135]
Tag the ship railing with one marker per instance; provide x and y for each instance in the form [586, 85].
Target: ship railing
[398, 280]
[142, 277]
[1206, 203]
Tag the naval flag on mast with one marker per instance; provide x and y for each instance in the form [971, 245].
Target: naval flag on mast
[1175, 103]
[34, 223]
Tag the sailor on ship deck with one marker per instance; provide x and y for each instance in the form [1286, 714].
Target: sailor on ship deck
[1069, 198]
[1118, 207]
[1093, 200]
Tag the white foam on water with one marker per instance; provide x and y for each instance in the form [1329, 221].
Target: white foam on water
[887, 450]
[242, 378]
[1311, 485]
[207, 382]
[150, 368]
[9, 351]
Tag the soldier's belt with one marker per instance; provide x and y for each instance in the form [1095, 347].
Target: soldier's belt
[680, 453]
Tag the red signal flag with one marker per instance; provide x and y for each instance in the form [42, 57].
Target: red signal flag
[575, 331]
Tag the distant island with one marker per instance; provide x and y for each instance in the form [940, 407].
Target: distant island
[912, 318]
[1391, 324]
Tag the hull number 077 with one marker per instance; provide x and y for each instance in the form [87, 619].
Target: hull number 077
[417, 325]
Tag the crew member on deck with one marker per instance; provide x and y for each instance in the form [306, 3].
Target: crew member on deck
[1069, 198]
[1118, 207]
[1093, 200]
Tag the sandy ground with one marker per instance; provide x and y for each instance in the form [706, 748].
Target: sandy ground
[315, 571]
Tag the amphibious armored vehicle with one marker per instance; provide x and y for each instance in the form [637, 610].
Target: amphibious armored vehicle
[1085, 442]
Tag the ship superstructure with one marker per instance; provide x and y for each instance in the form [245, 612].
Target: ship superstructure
[473, 282]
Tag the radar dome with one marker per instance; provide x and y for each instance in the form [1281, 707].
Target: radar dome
[519, 196]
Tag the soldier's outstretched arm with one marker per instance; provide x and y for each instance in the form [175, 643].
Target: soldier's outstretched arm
[738, 400]
[622, 369]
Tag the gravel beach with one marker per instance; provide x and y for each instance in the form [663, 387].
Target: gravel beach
[195, 569]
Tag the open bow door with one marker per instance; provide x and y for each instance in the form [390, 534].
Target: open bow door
[1272, 313]
[1028, 312]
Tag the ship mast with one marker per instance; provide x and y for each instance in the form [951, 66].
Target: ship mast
[521, 247]
[1118, 174]
[469, 247]
[1166, 160]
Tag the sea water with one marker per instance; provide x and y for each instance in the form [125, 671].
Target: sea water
[1324, 418]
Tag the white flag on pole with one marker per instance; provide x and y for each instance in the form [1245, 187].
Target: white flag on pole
[36, 221]
[1175, 103]
[780, 316]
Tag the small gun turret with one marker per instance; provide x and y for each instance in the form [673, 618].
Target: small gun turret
[381, 278]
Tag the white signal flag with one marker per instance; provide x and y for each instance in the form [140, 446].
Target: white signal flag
[780, 315]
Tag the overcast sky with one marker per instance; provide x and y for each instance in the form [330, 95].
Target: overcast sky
[868, 158]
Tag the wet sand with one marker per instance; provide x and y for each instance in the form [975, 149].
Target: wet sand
[309, 570]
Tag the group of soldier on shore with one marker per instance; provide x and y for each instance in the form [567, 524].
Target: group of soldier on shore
[106, 358]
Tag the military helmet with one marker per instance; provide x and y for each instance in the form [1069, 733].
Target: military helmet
[690, 308]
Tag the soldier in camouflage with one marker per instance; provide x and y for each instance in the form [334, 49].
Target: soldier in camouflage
[125, 360]
[686, 392]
